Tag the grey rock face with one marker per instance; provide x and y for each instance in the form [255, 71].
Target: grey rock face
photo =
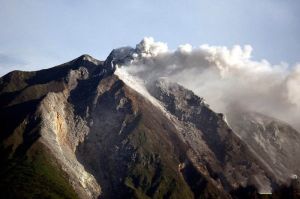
[64, 122]
[61, 132]
[274, 141]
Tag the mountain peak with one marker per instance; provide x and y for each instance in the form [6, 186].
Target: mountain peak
[88, 58]
[119, 56]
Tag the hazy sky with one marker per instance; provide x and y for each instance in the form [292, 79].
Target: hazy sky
[36, 34]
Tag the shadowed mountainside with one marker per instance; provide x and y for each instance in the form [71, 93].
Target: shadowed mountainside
[78, 130]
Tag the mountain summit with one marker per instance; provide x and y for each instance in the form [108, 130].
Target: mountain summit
[88, 129]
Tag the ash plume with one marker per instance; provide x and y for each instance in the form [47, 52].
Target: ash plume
[228, 78]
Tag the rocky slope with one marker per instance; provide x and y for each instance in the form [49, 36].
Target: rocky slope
[274, 141]
[86, 129]
[217, 149]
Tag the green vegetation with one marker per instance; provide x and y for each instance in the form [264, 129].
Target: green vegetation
[154, 172]
[34, 176]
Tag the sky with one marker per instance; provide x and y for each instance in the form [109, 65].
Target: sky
[37, 34]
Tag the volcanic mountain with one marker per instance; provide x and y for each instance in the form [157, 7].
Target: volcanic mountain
[88, 129]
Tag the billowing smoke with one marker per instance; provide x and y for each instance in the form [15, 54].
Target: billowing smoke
[227, 78]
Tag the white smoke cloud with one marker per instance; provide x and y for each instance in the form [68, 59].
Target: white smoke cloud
[226, 78]
[293, 86]
[148, 48]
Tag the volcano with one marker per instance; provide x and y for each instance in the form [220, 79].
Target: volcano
[89, 129]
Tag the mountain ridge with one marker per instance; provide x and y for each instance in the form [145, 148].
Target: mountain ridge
[110, 141]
